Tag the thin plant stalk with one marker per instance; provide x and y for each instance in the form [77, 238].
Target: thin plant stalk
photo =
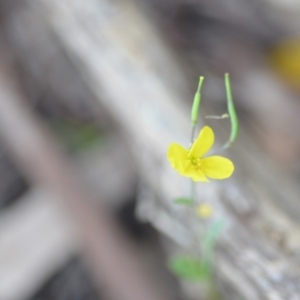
[232, 113]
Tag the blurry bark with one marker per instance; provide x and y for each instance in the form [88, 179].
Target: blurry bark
[38, 224]
[35, 235]
[119, 55]
[116, 267]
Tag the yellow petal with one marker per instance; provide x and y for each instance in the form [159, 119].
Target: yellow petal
[217, 167]
[196, 175]
[178, 157]
[203, 143]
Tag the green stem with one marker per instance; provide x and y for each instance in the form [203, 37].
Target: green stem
[232, 113]
[196, 103]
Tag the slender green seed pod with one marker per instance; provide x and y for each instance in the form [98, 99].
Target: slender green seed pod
[232, 113]
[196, 103]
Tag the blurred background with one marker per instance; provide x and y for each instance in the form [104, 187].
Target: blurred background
[91, 94]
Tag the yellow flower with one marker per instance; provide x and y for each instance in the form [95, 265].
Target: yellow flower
[204, 210]
[191, 163]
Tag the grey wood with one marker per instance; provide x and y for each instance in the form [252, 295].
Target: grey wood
[136, 79]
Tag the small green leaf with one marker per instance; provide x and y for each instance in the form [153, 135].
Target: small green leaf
[188, 268]
[232, 113]
[196, 103]
[184, 201]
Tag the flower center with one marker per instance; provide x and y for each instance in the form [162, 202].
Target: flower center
[196, 162]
